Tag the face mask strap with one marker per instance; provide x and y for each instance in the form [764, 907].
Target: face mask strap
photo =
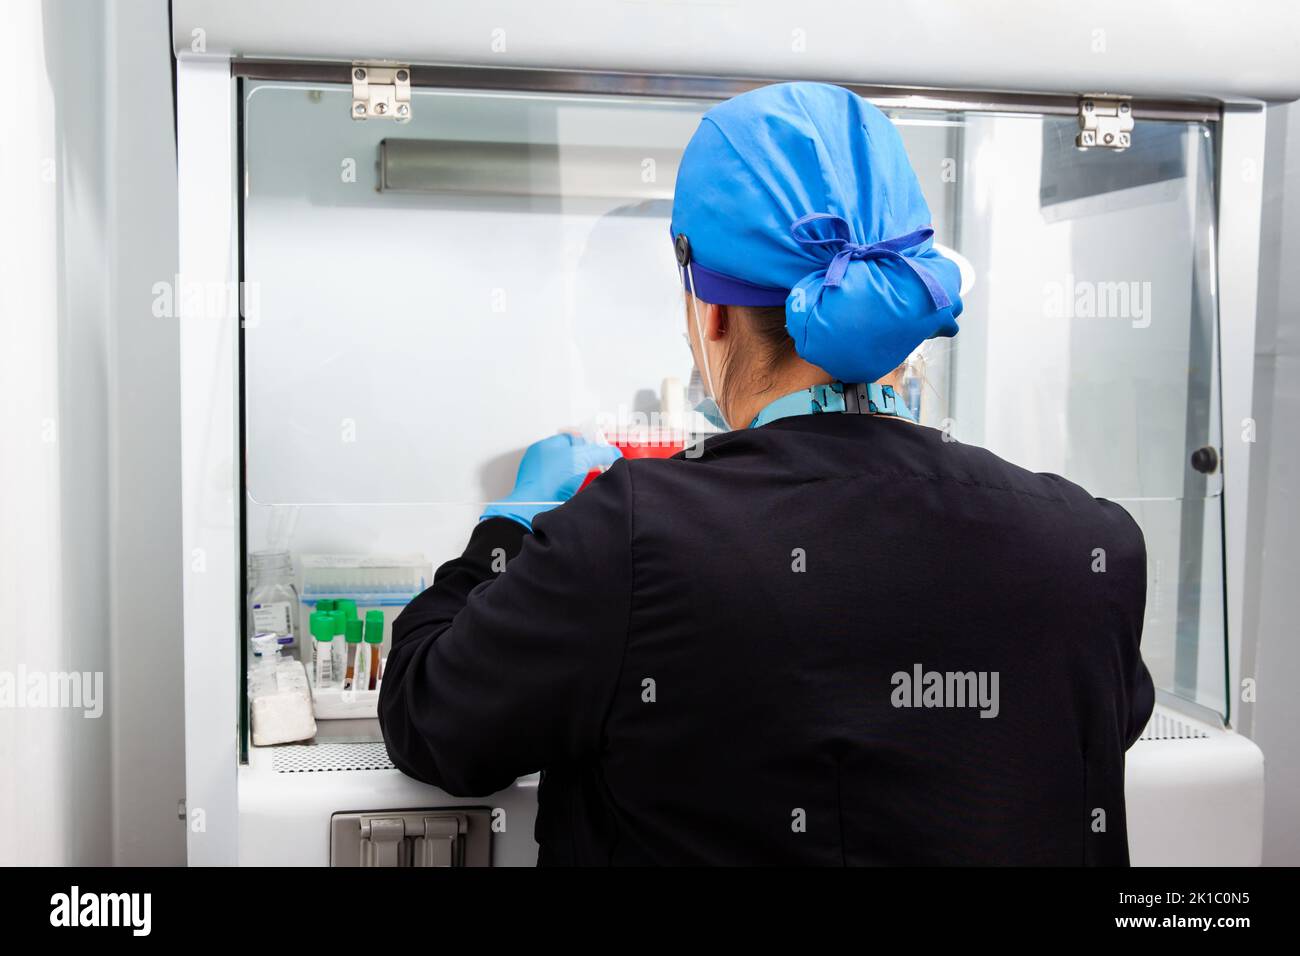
[699, 330]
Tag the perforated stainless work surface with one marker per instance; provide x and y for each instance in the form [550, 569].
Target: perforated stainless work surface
[1164, 726]
[323, 758]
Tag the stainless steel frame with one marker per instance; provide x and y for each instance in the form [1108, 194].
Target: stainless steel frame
[585, 83]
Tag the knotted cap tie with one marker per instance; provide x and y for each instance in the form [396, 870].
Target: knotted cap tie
[846, 250]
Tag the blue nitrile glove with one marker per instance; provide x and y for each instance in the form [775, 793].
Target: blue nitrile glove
[551, 472]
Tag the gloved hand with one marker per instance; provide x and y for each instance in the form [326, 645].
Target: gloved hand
[551, 472]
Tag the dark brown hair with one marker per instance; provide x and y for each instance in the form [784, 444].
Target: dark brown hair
[769, 346]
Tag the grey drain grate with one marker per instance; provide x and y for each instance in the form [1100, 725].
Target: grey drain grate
[1166, 727]
[323, 758]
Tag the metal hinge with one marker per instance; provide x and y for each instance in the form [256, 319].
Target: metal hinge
[383, 91]
[1105, 122]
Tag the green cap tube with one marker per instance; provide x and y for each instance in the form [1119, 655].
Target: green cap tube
[325, 604]
[322, 625]
[353, 635]
[374, 627]
[347, 607]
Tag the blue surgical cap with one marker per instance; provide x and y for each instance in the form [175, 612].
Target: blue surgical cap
[801, 194]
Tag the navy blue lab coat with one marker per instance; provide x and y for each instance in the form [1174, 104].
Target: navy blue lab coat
[748, 657]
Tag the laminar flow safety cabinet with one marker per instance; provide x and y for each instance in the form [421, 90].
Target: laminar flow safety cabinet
[377, 197]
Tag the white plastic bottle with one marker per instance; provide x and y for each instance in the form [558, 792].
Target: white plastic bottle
[272, 596]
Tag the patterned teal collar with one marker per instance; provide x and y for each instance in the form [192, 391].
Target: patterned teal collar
[880, 400]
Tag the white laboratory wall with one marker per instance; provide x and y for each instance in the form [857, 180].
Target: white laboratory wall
[1273, 601]
[89, 510]
[54, 582]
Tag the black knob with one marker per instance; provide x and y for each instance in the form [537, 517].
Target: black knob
[682, 246]
[1205, 460]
